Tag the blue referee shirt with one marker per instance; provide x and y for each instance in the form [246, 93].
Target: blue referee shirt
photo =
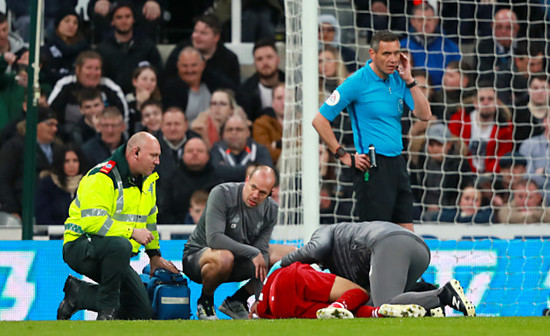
[375, 107]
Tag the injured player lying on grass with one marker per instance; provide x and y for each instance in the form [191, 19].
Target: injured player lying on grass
[300, 291]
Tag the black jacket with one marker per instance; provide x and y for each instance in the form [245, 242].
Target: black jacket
[177, 193]
[119, 62]
[11, 172]
[96, 151]
[224, 63]
[249, 97]
[59, 57]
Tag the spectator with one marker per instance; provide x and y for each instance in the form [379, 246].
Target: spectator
[526, 205]
[513, 167]
[145, 83]
[255, 93]
[485, 130]
[124, 49]
[456, 90]
[412, 128]
[206, 39]
[208, 123]
[63, 47]
[12, 86]
[9, 41]
[536, 150]
[268, 129]
[438, 172]
[494, 53]
[147, 15]
[110, 137]
[151, 116]
[63, 99]
[9, 130]
[22, 18]
[259, 19]
[329, 35]
[56, 188]
[91, 108]
[197, 203]
[428, 45]
[192, 89]
[527, 60]
[173, 135]
[332, 72]
[380, 15]
[12, 159]
[231, 155]
[529, 118]
[194, 171]
[469, 210]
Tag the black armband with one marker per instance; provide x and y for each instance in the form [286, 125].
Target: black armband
[152, 253]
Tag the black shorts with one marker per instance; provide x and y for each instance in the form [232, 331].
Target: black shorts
[386, 195]
[243, 268]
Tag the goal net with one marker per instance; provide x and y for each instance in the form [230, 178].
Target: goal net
[471, 58]
[455, 57]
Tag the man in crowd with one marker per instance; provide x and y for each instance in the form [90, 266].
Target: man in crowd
[114, 214]
[12, 159]
[193, 86]
[206, 38]
[486, 129]
[231, 155]
[172, 138]
[255, 93]
[195, 172]
[111, 136]
[429, 47]
[124, 50]
[64, 97]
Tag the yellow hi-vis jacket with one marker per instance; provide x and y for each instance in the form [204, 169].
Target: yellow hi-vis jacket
[111, 202]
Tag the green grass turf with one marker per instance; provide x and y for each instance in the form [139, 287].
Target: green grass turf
[516, 326]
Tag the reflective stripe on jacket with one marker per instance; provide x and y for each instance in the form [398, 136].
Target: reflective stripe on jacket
[109, 204]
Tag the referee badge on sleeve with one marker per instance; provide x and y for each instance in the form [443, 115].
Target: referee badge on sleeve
[334, 98]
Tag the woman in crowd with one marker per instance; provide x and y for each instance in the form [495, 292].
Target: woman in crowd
[332, 71]
[469, 210]
[56, 189]
[64, 46]
[145, 82]
[209, 122]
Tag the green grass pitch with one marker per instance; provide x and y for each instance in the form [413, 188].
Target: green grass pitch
[501, 326]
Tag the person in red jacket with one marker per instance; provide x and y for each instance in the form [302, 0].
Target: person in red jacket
[300, 291]
[486, 130]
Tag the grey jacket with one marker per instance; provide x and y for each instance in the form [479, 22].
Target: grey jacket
[228, 224]
[345, 248]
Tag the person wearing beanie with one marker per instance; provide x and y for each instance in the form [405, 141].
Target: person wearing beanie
[60, 51]
[12, 159]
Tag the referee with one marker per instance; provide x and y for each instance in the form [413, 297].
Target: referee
[374, 97]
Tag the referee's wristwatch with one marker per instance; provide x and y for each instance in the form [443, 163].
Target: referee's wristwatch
[412, 84]
[339, 152]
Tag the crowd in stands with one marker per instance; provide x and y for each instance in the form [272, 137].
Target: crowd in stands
[484, 158]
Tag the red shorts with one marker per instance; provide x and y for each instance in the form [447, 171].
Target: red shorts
[296, 291]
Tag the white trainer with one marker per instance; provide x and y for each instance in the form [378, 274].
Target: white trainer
[334, 313]
[409, 310]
